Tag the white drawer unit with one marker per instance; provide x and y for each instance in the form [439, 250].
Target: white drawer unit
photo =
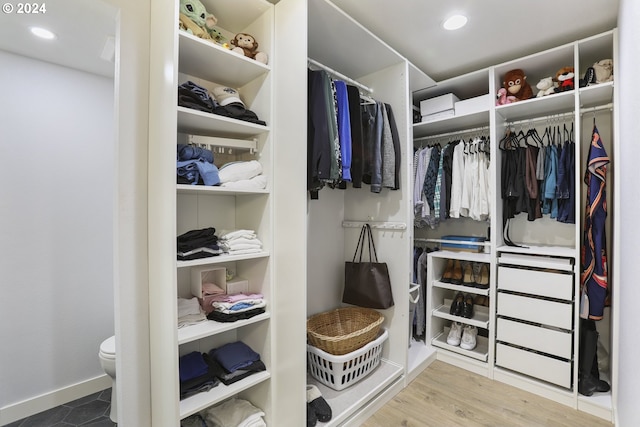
[536, 282]
[551, 341]
[536, 310]
[536, 365]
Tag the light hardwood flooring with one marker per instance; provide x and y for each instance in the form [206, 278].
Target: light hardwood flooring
[446, 396]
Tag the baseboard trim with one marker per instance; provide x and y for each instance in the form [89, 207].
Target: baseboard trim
[43, 402]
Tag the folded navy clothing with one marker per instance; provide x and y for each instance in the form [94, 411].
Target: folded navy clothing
[192, 365]
[238, 111]
[201, 387]
[229, 378]
[194, 239]
[192, 152]
[233, 317]
[235, 355]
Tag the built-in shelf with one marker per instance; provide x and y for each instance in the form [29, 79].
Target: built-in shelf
[463, 256]
[480, 352]
[559, 251]
[461, 288]
[202, 123]
[210, 327]
[462, 122]
[203, 400]
[480, 317]
[599, 94]
[221, 259]
[215, 63]
[205, 189]
[537, 107]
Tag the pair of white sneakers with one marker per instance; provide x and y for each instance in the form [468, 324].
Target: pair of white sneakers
[463, 336]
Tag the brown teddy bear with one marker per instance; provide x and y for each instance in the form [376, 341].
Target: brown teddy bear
[515, 82]
[565, 78]
[245, 44]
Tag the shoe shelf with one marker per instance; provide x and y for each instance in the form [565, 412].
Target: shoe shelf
[200, 401]
[211, 327]
[480, 352]
[461, 288]
[480, 317]
[463, 256]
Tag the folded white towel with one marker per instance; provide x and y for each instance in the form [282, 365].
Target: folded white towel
[233, 412]
[236, 234]
[238, 171]
[243, 241]
[188, 307]
[244, 251]
[256, 183]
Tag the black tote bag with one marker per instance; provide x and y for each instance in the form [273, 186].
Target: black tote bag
[367, 283]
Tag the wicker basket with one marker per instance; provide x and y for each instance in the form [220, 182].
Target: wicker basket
[343, 330]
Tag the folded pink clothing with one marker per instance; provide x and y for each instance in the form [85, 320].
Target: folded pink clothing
[235, 297]
[211, 289]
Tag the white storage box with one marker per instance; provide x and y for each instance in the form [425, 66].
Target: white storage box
[438, 104]
[473, 105]
[200, 275]
[438, 116]
[339, 372]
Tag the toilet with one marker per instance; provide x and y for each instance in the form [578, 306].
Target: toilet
[107, 357]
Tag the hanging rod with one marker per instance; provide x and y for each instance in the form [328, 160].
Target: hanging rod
[214, 141]
[386, 225]
[561, 115]
[340, 75]
[459, 132]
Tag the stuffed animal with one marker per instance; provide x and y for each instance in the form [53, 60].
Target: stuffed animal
[245, 44]
[515, 82]
[503, 98]
[565, 77]
[195, 20]
[603, 70]
[546, 86]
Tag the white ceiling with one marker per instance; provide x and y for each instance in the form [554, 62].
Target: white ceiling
[412, 27]
[81, 26]
[497, 30]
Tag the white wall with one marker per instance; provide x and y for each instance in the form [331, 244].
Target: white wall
[57, 151]
[628, 288]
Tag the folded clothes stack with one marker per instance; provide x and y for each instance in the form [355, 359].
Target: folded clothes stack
[229, 308]
[233, 361]
[240, 242]
[190, 312]
[196, 375]
[194, 165]
[225, 102]
[234, 412]
[246, 175]
[196, 244]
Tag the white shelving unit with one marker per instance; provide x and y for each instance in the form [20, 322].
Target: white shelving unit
[551, 369]
[196, 206]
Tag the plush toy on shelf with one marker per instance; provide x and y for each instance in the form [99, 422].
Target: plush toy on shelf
[565, 77]
[515, 82]
[546, 86]
[245, 44]
[503, 98]
[603, 70]
[194, 19]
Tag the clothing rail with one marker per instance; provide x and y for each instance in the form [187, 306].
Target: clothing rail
[212, 142]
[458, 132]
[562, 115]
[340, 75]
[380, 225]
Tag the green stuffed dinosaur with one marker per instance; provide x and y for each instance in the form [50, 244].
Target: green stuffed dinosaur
[195, 20]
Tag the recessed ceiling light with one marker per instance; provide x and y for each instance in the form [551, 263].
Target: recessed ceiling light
[42, 33]
[455, 22]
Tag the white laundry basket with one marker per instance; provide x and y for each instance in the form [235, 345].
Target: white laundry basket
[339, 372]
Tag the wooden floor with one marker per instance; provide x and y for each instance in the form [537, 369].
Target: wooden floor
[446, 396]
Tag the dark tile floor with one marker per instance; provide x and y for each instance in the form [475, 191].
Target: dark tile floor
[90, 411]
